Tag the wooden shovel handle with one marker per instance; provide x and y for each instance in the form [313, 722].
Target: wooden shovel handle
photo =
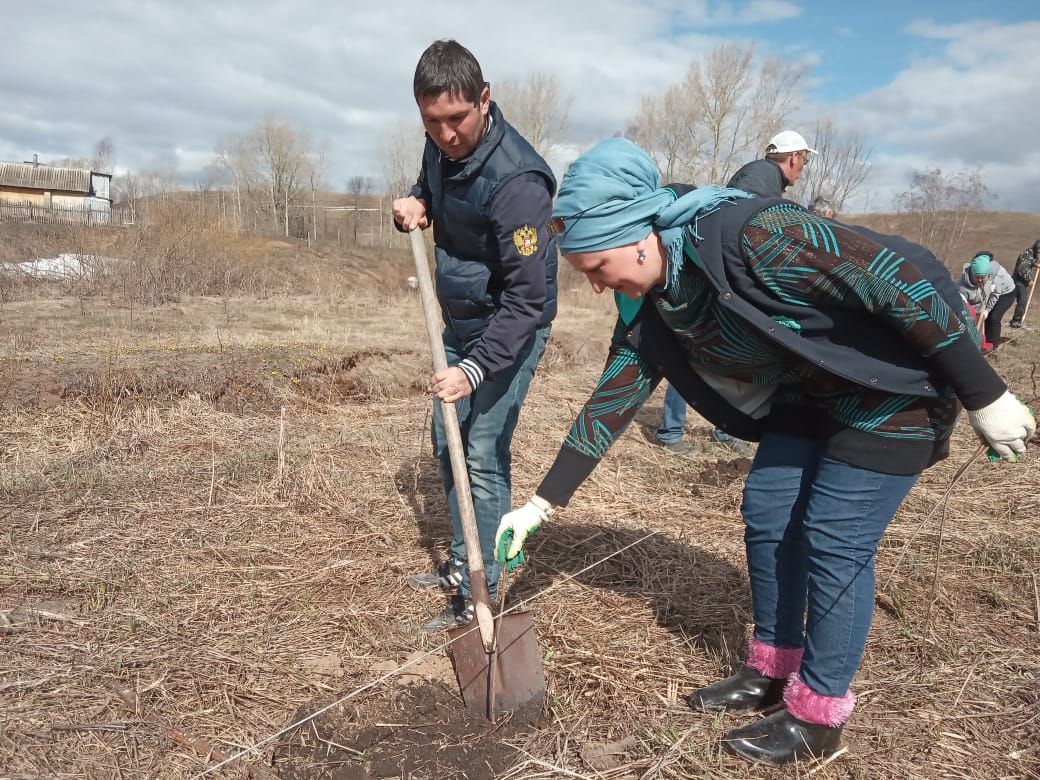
[451, 424]
[1029, 296]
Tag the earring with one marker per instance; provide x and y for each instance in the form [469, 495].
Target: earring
[641, 257]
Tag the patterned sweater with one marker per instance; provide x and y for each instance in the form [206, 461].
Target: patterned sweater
[810, 262]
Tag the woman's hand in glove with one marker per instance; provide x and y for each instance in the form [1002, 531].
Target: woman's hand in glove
[516, 527]
[1006, 425]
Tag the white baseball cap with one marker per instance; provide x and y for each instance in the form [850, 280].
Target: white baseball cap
[789, 141]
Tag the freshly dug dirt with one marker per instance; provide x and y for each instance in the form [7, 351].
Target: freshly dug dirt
[408, 731]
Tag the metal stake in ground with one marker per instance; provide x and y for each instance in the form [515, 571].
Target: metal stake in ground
[498, 671]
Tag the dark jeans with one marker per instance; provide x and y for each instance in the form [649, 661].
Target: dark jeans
[812, 527]
[993, 324]
[487, 419]
[1021, 296]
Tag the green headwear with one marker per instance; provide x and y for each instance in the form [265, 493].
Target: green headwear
[980, 264]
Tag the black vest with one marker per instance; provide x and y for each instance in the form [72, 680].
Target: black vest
[469, 274]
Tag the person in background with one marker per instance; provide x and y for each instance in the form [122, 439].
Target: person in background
[783, 327]
[990, 289]
[488, 195]
[1025, 270]
[673, 422]
[820, 205]
[786, 156]
[673, 428]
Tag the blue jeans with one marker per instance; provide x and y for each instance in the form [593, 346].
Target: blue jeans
[722, 437]
[812, 527]
[674, 421]
[487, 419]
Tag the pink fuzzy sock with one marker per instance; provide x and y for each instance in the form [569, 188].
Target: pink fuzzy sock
[808, 705]
[772, 661]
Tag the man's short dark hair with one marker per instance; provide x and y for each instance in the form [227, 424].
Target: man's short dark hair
[448, 66]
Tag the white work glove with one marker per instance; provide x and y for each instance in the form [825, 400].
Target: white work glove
[516, 527]
[1006, 425]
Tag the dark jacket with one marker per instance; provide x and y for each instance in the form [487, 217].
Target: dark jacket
[1025, 266]
[465, 207]
[762, 178]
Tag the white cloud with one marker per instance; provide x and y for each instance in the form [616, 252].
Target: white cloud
[167, 80]
[971, 106]
[769, 11]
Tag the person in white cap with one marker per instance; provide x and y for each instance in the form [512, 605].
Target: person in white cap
[786, 156]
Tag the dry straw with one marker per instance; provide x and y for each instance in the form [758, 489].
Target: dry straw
[152, 542]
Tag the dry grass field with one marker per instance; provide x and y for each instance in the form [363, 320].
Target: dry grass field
[209, 507]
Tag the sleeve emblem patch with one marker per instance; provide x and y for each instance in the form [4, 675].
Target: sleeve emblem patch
[526, 240]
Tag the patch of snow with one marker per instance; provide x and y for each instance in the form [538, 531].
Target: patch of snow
[64, 266]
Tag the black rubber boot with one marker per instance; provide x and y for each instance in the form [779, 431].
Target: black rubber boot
[782, 738]
[458, 613]
[748, 689]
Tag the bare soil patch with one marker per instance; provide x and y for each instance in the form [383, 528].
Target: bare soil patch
[419, 730]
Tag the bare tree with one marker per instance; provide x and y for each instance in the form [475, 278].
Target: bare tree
[837, 170]
[127, 192]
[719, 116]
[943, 204]
[104, 157]
[663, 127]
[230, 155]
[135, 190]
[101, 161]
[536, 106]
[315, 181]
[272, 166]
[280, 162]
[402, 156]
[358, 187]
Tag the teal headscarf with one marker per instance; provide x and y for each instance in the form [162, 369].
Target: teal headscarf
[980, 264]
[612, 196]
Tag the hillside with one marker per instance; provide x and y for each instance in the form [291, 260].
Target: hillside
[1005, 233]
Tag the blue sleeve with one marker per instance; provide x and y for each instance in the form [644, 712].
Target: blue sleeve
[521, 208]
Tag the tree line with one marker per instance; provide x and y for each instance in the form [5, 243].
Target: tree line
[700, 129]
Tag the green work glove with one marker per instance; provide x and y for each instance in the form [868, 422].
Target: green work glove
[516, 527]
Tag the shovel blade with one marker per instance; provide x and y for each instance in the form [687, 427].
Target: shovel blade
[507, 680]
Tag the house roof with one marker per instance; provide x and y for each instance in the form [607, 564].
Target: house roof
[44, 177]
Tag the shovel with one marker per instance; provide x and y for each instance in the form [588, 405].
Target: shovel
[497, 663]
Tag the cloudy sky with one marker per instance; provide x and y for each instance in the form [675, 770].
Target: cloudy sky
[953, 84]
